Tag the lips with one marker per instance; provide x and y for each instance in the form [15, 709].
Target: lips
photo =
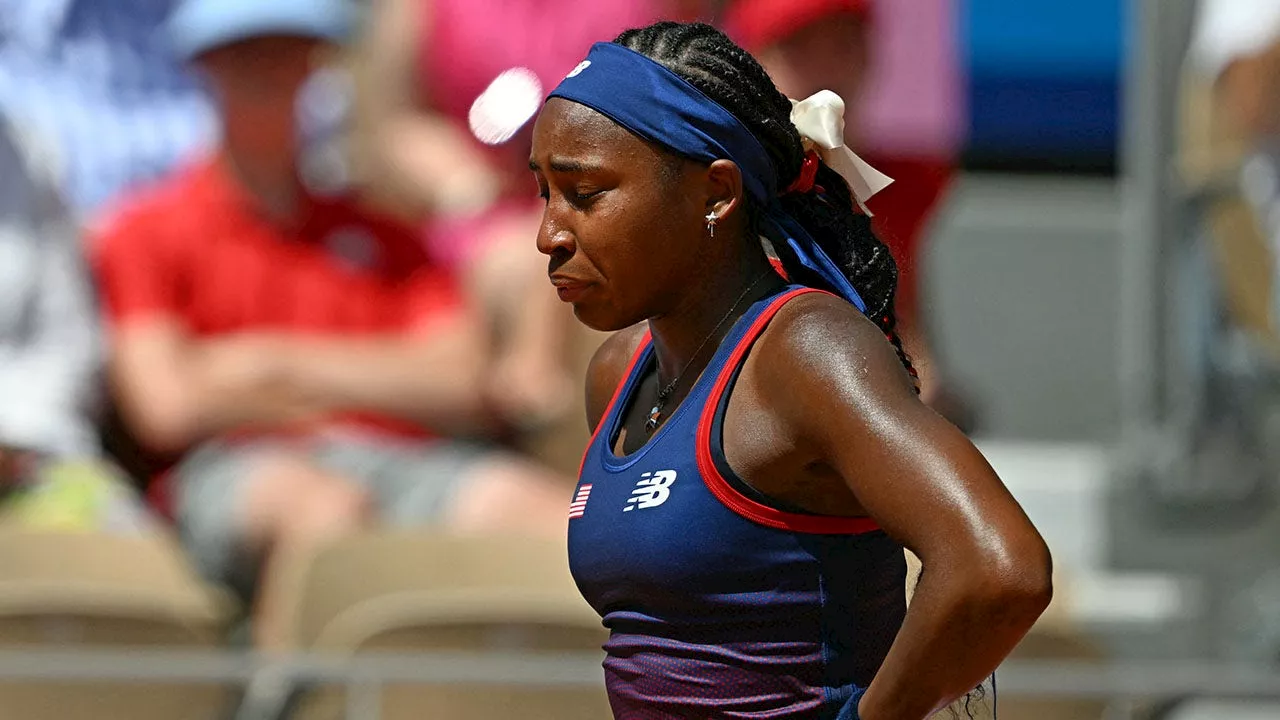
[569, 289]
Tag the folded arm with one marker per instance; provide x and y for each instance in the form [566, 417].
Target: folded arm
[432, 376]
[177, 389]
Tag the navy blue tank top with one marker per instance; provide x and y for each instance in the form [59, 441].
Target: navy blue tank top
[722, 603]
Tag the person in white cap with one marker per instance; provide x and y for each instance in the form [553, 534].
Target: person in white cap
[303, 359]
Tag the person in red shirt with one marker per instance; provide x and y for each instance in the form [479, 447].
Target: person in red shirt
[304, 359]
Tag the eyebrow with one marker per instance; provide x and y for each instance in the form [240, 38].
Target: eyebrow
[566, 165]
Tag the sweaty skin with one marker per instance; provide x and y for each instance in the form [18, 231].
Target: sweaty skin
[823, 415]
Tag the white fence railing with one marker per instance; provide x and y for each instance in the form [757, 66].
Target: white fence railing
[1125, 684]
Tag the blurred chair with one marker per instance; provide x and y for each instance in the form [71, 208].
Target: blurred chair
[67, 590]
[407, 592]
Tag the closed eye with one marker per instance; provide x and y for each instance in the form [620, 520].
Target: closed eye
[576, 181]
[543, 191]
[583, 198]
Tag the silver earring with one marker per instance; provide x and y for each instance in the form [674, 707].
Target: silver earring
[712, 219]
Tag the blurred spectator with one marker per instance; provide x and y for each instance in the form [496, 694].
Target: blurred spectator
[51, 468]
[1237, 47]
[1230, 298]
[851, 47]
[100, 81]
[300, 354]
[1232, 136]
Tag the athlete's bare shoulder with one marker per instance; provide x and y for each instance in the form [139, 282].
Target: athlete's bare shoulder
[820, 346]
[607, 368]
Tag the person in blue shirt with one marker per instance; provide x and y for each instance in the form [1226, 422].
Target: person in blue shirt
[761, 456]
[100, 83]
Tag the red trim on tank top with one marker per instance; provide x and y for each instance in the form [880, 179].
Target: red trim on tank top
[617, 393]
[728, 495]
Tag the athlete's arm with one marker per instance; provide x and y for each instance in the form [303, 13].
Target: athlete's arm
[606, 369]
[831, 376]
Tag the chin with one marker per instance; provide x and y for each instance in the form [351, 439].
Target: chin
[602, 319]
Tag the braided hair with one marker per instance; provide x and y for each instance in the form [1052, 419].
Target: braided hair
[729, 75]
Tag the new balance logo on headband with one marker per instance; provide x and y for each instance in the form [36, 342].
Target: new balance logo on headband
[578, 70]
[652, 490]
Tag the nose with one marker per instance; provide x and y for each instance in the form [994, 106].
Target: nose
[553, 237]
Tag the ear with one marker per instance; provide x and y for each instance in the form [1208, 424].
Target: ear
[725, 194]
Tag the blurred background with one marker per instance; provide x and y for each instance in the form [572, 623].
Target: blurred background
[289, 417]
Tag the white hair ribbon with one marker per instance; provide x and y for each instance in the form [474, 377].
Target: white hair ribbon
[820, 120]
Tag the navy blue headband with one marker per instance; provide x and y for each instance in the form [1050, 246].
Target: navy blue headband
[651, 101]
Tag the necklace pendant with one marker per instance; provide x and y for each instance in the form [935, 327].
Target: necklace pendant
[654, 416]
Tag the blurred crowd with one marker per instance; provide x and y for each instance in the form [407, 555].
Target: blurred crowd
[267, 271]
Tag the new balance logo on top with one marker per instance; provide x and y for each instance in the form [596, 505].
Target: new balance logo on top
[652, 490]
[579, 505]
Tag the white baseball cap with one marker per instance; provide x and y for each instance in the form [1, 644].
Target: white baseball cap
[198, 26]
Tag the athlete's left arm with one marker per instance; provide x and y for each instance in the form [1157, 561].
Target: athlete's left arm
[829, 374]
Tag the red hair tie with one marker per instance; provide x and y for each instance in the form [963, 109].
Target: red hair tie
[808, 173]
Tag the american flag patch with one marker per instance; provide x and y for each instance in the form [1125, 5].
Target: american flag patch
[579, 504]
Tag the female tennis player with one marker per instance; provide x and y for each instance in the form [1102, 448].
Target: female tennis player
[760, 456]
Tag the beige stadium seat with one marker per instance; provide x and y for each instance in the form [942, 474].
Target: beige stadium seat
[68, 590]
[404, 592]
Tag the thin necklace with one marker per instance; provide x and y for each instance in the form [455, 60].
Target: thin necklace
[655, 414]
